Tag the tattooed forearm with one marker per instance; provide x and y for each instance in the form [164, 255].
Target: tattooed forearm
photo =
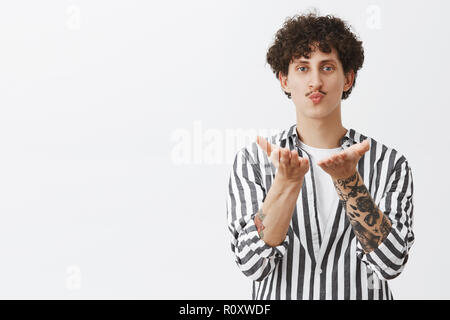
[370, 224]
[346, 181]
[368, 240]
[365, 204]
[259, 222]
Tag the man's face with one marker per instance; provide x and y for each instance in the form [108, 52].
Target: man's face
[321, 75]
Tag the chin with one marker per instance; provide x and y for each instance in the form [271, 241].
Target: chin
[319, 111]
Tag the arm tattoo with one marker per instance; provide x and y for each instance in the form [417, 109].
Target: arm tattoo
[259, 222]
[370, 224]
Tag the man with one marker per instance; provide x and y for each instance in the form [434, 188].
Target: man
[319, 211]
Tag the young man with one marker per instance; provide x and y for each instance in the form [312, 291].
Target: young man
[319, 211]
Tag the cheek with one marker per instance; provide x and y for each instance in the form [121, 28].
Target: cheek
[300, 87]
[336, 87]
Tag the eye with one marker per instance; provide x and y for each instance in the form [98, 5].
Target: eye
[299, 68]
[330, 68]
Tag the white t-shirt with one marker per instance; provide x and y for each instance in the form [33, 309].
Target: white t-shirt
[327, 197]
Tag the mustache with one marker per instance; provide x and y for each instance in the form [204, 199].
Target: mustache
[315, 92]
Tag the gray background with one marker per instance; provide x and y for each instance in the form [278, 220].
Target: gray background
[119, 121]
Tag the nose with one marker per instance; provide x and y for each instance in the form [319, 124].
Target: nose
[315, 82]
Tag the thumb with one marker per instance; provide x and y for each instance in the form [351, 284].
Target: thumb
[275, 157]
[363, 147]
[264, 144]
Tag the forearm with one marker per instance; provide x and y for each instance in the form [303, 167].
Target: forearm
[370, 225]
[274, 217]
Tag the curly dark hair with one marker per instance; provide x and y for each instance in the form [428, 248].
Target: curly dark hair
[298, 35]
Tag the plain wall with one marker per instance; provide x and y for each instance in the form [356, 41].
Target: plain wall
[119, 121]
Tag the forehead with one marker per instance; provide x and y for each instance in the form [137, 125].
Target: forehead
[318, 56]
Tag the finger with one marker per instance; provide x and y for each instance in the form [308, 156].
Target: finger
[260, 143]
[263, 145]
[365, 143]
[284, 157]
[288, 154]
[330, 165]
[365, 146]
[336, 163]
[294, 158]
[339, 161]
[322, 163]
[275, 157]
[304, 162]
[360, 148]
[266, 145]
[337, 158]
[329, 162]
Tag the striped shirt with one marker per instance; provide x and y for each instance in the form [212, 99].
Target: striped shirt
[313, 263]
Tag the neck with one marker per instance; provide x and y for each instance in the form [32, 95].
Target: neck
[323, 133]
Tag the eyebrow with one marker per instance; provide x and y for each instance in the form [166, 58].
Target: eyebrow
[322, 61]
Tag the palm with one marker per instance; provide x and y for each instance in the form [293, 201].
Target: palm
[343, 164]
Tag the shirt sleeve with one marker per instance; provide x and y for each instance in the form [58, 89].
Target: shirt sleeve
[246, 192]
[389, 259]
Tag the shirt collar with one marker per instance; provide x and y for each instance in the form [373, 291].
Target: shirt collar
[346, 141]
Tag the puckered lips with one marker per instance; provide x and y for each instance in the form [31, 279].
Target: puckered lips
[316, 97]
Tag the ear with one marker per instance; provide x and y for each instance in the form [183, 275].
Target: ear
[349, 78]
[283, 82]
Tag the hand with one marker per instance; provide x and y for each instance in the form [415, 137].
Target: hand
[291, 167]
[342, 165]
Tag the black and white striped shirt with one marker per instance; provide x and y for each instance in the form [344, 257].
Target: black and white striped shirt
[313, 263]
